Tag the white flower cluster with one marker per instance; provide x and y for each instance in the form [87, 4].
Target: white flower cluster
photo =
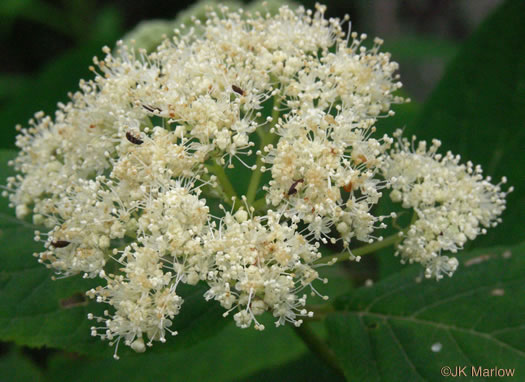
[260, 267]
[323, 166]
[452, 202]
[121, 176]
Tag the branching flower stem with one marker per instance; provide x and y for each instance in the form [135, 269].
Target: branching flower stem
[364, 250]
[320, 311]
[317, 346]
[259, 204]
[266, 138]
[224, 181]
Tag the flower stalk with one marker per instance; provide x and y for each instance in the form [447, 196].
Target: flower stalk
[266, 138]
[317, 346]
[363, 250]
[228, 191]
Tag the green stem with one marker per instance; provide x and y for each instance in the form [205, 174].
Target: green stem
[266, 138]
[259, 204]
[364, 250]
[320, 311]
[224, 181]
[256, 177]
[414, 217]
[317, 346]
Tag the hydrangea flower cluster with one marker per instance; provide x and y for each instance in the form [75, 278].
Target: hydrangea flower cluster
[452, 202]
[122, 176]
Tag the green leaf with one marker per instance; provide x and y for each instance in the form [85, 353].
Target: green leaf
[230, 356]
[32, 313]
[37, 311]
[14, 367]
[407, 328]
[478, 110]
[307, 368]
[9, 84]
[108, 26]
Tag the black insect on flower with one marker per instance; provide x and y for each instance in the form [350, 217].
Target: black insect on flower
[152, 109]
[133, 139]
[293, 187]
[60, 243]
[238, 90]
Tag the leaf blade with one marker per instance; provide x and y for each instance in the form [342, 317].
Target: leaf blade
[476, 318]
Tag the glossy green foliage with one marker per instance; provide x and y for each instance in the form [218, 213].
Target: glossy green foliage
[407, 328]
